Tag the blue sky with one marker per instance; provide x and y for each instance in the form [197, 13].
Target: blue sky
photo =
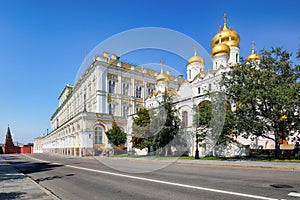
[44, 42]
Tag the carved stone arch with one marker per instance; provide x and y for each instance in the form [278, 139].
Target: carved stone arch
[98, 133]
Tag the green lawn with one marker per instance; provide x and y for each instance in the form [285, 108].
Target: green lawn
[290, 159]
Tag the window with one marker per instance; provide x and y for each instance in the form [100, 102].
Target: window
[236, 58]
[150, 91]
[199, 90]
[125, 89]
[111, 109]
[190, 74]
[111, 86]
[125, 111]
[209, 87]
[185, 119]
[98, 135]
[138, 92]
[137, 109]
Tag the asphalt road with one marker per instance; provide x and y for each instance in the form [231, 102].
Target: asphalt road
[109, 178]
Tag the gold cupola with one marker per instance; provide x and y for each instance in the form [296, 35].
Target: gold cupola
[162, 77]
[220, 48]
[253, 56]
[228, 36]
[195, 58]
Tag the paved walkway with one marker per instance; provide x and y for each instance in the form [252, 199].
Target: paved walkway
[15, 185]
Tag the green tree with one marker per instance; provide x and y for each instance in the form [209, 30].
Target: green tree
[142, 137]
[116, 136]
[168, 123]
[267, 96]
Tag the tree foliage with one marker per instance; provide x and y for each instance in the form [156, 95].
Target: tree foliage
[167, 116]
[158, 127]
[116, 136]
[267, 96]
[142, 137]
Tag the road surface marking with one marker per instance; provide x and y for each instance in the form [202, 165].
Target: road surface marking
[294, 194]
[171, 183]
[165, 182]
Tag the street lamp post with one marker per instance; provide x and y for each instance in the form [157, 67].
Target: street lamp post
[197, 149]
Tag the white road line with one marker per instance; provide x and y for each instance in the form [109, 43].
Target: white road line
[294, 194]
[166, 182]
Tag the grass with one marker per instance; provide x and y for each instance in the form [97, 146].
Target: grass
[169, 157]
[290, 159]
[270, 159]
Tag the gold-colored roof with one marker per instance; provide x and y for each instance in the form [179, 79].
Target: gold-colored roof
[228, 36]
[162, 77]
[195, 58]
[220, 49]
[253, 56]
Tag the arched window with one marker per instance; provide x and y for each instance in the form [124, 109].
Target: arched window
[185, 119]
[98, 135]
[125, 110]
[111, 86]
[111, 108]
[138, 92]
[125, 89]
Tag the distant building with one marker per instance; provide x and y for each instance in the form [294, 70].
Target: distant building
[38, 147]
[9, 148]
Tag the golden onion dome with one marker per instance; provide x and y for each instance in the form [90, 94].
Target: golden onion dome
[220, 49]
[195, 58]
[232, 43]
[228, 36]
[253, 56]
[162, 77]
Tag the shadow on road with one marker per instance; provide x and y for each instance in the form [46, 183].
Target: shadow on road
[11, 195]
[29, 167]
[51, 178]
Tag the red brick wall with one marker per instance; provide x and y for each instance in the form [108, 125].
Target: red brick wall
[26, 150]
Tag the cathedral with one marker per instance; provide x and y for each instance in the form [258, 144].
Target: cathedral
[112, 91]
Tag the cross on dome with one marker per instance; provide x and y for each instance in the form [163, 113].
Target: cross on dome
[253, 45]
[225, 19]
[195, 49]
[162, 65]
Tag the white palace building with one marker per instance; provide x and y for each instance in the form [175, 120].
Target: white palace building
[111, 91]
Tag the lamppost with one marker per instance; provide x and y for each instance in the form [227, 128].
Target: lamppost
[197, 144]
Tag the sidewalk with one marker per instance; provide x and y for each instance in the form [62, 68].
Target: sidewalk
[15, 185]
